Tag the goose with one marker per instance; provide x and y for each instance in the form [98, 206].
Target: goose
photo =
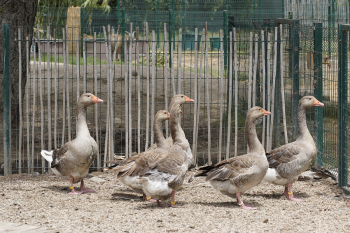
[124, 166]
[238, 174]
[165, 176]
[128, 171]
[287, 162]
[75, 157]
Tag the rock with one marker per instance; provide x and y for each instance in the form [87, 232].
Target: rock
[134, 153]
[35, 174]
[96, 173]
[134, 73]
[97, 180]
[265, 221]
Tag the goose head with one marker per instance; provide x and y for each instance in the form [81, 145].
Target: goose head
[88, 99]
[309, 101]
[256, 112]
[162, 115]
[180, 99]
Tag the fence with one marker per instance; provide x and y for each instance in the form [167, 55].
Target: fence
[269, 63]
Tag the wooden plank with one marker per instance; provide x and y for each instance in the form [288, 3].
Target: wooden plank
[250, 72]
[95, 106]
[130, 89]
[56, 91]
[179, 63]
[153, 84]
[195, 125]
[207, 94]
[108, 114]
[64, 85]
[267, 148]
[48, 80]
[236, 90]
[34, 104]
[264, 85]
[273, 88]
[67, 87]
[138, 93]
[282, 89]
[166, 78]
[126, 97]
[256, 39]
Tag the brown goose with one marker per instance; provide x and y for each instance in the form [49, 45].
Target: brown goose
[164, 177]
[74, 158]
[287, 162]
[238, 174]
[123, 168]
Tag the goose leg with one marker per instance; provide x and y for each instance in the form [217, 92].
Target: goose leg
[145, 198]
[84, 189]
[161, 205]
[73, 192]
[289, 194]
[242, 205]
[172, 203]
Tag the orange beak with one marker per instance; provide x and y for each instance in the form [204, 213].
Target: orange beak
[318, 103]
[189, 100]
[169, 115]
[266, 112]
[96, 100]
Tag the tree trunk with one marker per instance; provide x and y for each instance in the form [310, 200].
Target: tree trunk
[16, 13]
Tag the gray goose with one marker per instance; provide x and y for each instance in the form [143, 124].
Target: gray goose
[165, 176]
[238, 174]
[123, 168]
[75, 157]
[129, 169]
[287, 162]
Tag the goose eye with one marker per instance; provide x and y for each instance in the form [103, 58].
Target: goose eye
[309, 98]
[164, 112]
[88, 95]
[182, 96]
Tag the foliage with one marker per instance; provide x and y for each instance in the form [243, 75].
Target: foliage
[159, 60]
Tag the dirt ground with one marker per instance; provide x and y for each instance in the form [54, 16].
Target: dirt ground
[44, 201]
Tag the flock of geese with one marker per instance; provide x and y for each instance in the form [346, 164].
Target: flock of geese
[159, 172]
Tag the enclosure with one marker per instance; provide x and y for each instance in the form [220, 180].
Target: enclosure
[227, 60]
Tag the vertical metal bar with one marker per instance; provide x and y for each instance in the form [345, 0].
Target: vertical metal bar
[56, 90]
[7, 99]
[20, 102]
[34, 104]
[48, 79]
[256, 39]
[138, 93]
[318, 92]
[282, 87]
[67, 84]
[27, 103]
[225, 18]
[147, 72]
[166, 77]
[126, 88]
[250, 71]
[221, 91]
[264, 85]
[236, 89]
[295, 75]
[64, 85]
[123, 33]
[207, 95]
[275, 50]
[229, 118]
[153, 84]
[342, 105]
[81, 30]
[95, 106]
[41, 102]
[130, 89]
[84, 66]
[158, 25]
[179, 63]
[77, 65]
[267, 148]
[195, 92]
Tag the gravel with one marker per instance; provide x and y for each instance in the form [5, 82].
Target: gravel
[44, 201]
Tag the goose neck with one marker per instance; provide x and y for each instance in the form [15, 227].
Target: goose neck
[158, 133]
[82, 128]
[302, 125]
[251, 136]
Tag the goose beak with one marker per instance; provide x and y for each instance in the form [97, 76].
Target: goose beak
[189, 100]
[266, 112]
[96, 100]
[318, 103]
[169, 115]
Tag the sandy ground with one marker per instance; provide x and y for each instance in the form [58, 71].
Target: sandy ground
[44, 201]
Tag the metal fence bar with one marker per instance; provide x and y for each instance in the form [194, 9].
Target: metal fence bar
[95, 106]
[221, 92]
[138, 93]
[256, 45]
[20, 102]
[207, 95]
[147, 73]
[196, 100]
[126, 97]
[153, 83]
[250, 71]
[56, 91]
[229, 118]
[236, 89]
[130, 86]
[67, 85]
[34, 103]
[267, 148]
[282, 88]
[7, 100]
[318, 35]
[64, 85]
[273, 88]
[166, 78]
[179, 63]
[48, 79]
[27, 103]
[263, 86]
